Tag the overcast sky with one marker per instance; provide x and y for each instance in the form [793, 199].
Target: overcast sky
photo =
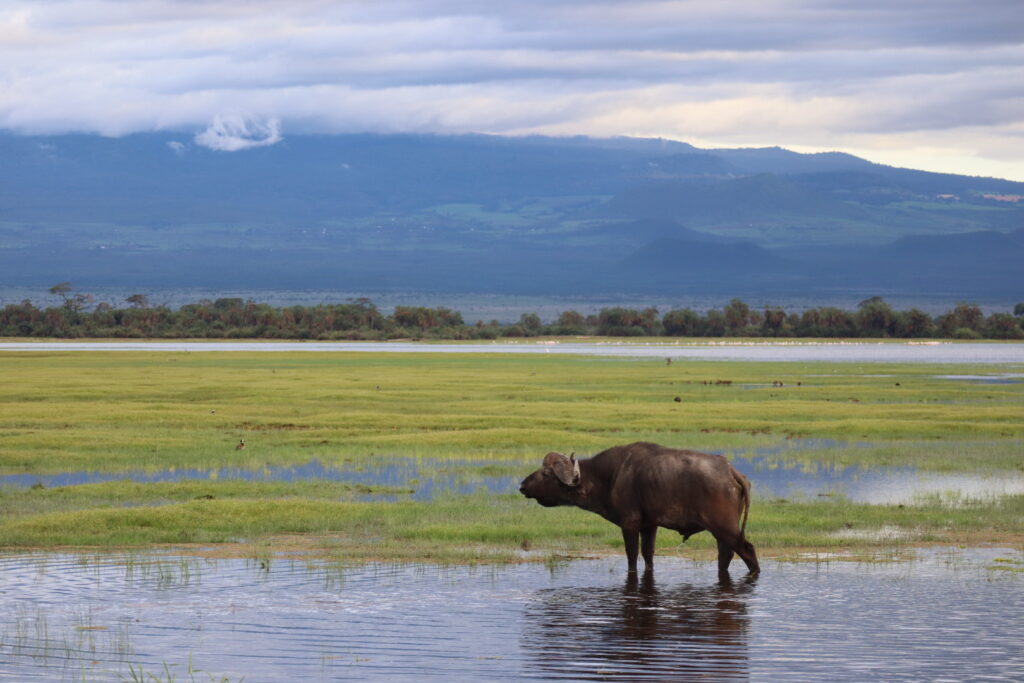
[933, 84]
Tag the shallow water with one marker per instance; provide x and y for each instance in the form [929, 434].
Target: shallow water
[951, 614]
[427, 479]
[775, 477]
[789, 351]
[1001, 378]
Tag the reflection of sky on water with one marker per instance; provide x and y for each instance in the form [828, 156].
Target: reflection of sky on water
[1000, 378]
[771, 477]
[791, 351]
[425, 478]
[883, 485]
[952, 615]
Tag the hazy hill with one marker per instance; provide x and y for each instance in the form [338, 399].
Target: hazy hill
[725, 201]
[957, 266]
[479, 213]
[782, 161]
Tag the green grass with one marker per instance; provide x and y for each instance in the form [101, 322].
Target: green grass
[115, 412]
[125, 493]
[99, 411]
[168, 674]
[490, 528]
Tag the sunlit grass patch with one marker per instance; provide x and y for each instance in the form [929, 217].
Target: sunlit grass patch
[16, 502]
[62, 412]
[486, 527]
[1007, 564]
[472, 415]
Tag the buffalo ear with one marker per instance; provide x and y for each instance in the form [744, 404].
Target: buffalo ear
[551, 458]
[567, 470]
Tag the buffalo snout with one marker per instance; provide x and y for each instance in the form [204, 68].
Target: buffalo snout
[528, 486]
[540, 488]
[555, 483]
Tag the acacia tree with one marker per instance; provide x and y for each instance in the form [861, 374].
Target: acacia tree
[72, 300]
[138, 300]
[426, 318]
[620, 322]
[650, 322]
[571, 322]
[737, 317]
[682, 323]
[963, 321]
[714, 323]
[1003, 326]
[915, 323]
[63, 290]
[530, 322]
[774, 323]
[875, 318]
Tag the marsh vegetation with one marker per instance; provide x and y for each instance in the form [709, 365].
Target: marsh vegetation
[474, 415]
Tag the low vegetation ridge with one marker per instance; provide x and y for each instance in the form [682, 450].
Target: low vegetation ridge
[359, 319]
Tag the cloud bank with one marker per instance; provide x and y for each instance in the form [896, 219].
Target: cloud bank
[927, 83]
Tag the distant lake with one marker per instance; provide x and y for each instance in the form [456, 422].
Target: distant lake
[787, 351]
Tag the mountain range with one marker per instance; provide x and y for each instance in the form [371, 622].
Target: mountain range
[497, 214]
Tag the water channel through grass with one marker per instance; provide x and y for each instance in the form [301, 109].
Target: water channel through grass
[772, 473]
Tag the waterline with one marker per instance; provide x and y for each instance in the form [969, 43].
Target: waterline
[733, 350]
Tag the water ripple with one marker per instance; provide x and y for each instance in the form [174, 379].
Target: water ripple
[948, 615]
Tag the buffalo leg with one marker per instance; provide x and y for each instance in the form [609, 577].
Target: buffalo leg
[724, 557]
[631, 537]
[749, 556]
[730, 542]
[647, 537]
[743, 548]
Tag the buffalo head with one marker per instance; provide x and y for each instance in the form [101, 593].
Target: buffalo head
[555, 483]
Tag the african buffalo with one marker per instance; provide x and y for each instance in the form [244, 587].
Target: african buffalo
[643, 486]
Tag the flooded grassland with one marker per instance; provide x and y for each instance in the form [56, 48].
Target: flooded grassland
[416, 456]
[369, 526]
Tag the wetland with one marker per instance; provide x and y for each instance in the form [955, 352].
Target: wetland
[370, 526]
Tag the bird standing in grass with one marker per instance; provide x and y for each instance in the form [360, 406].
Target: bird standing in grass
[241, 445]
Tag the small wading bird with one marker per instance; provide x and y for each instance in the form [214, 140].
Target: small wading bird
[241, 445]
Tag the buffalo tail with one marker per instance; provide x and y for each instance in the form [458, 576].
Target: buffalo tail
[745, 492]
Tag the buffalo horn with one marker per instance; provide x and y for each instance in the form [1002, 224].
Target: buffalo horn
[565, 469]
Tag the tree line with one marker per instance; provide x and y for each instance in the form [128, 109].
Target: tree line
[79, 316]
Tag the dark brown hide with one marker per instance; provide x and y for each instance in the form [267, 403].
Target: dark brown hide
[643, 486]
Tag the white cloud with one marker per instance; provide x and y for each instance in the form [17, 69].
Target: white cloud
[234, 133]
[894, 78]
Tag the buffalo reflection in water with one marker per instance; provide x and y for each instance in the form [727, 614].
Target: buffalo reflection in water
[638, 631]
